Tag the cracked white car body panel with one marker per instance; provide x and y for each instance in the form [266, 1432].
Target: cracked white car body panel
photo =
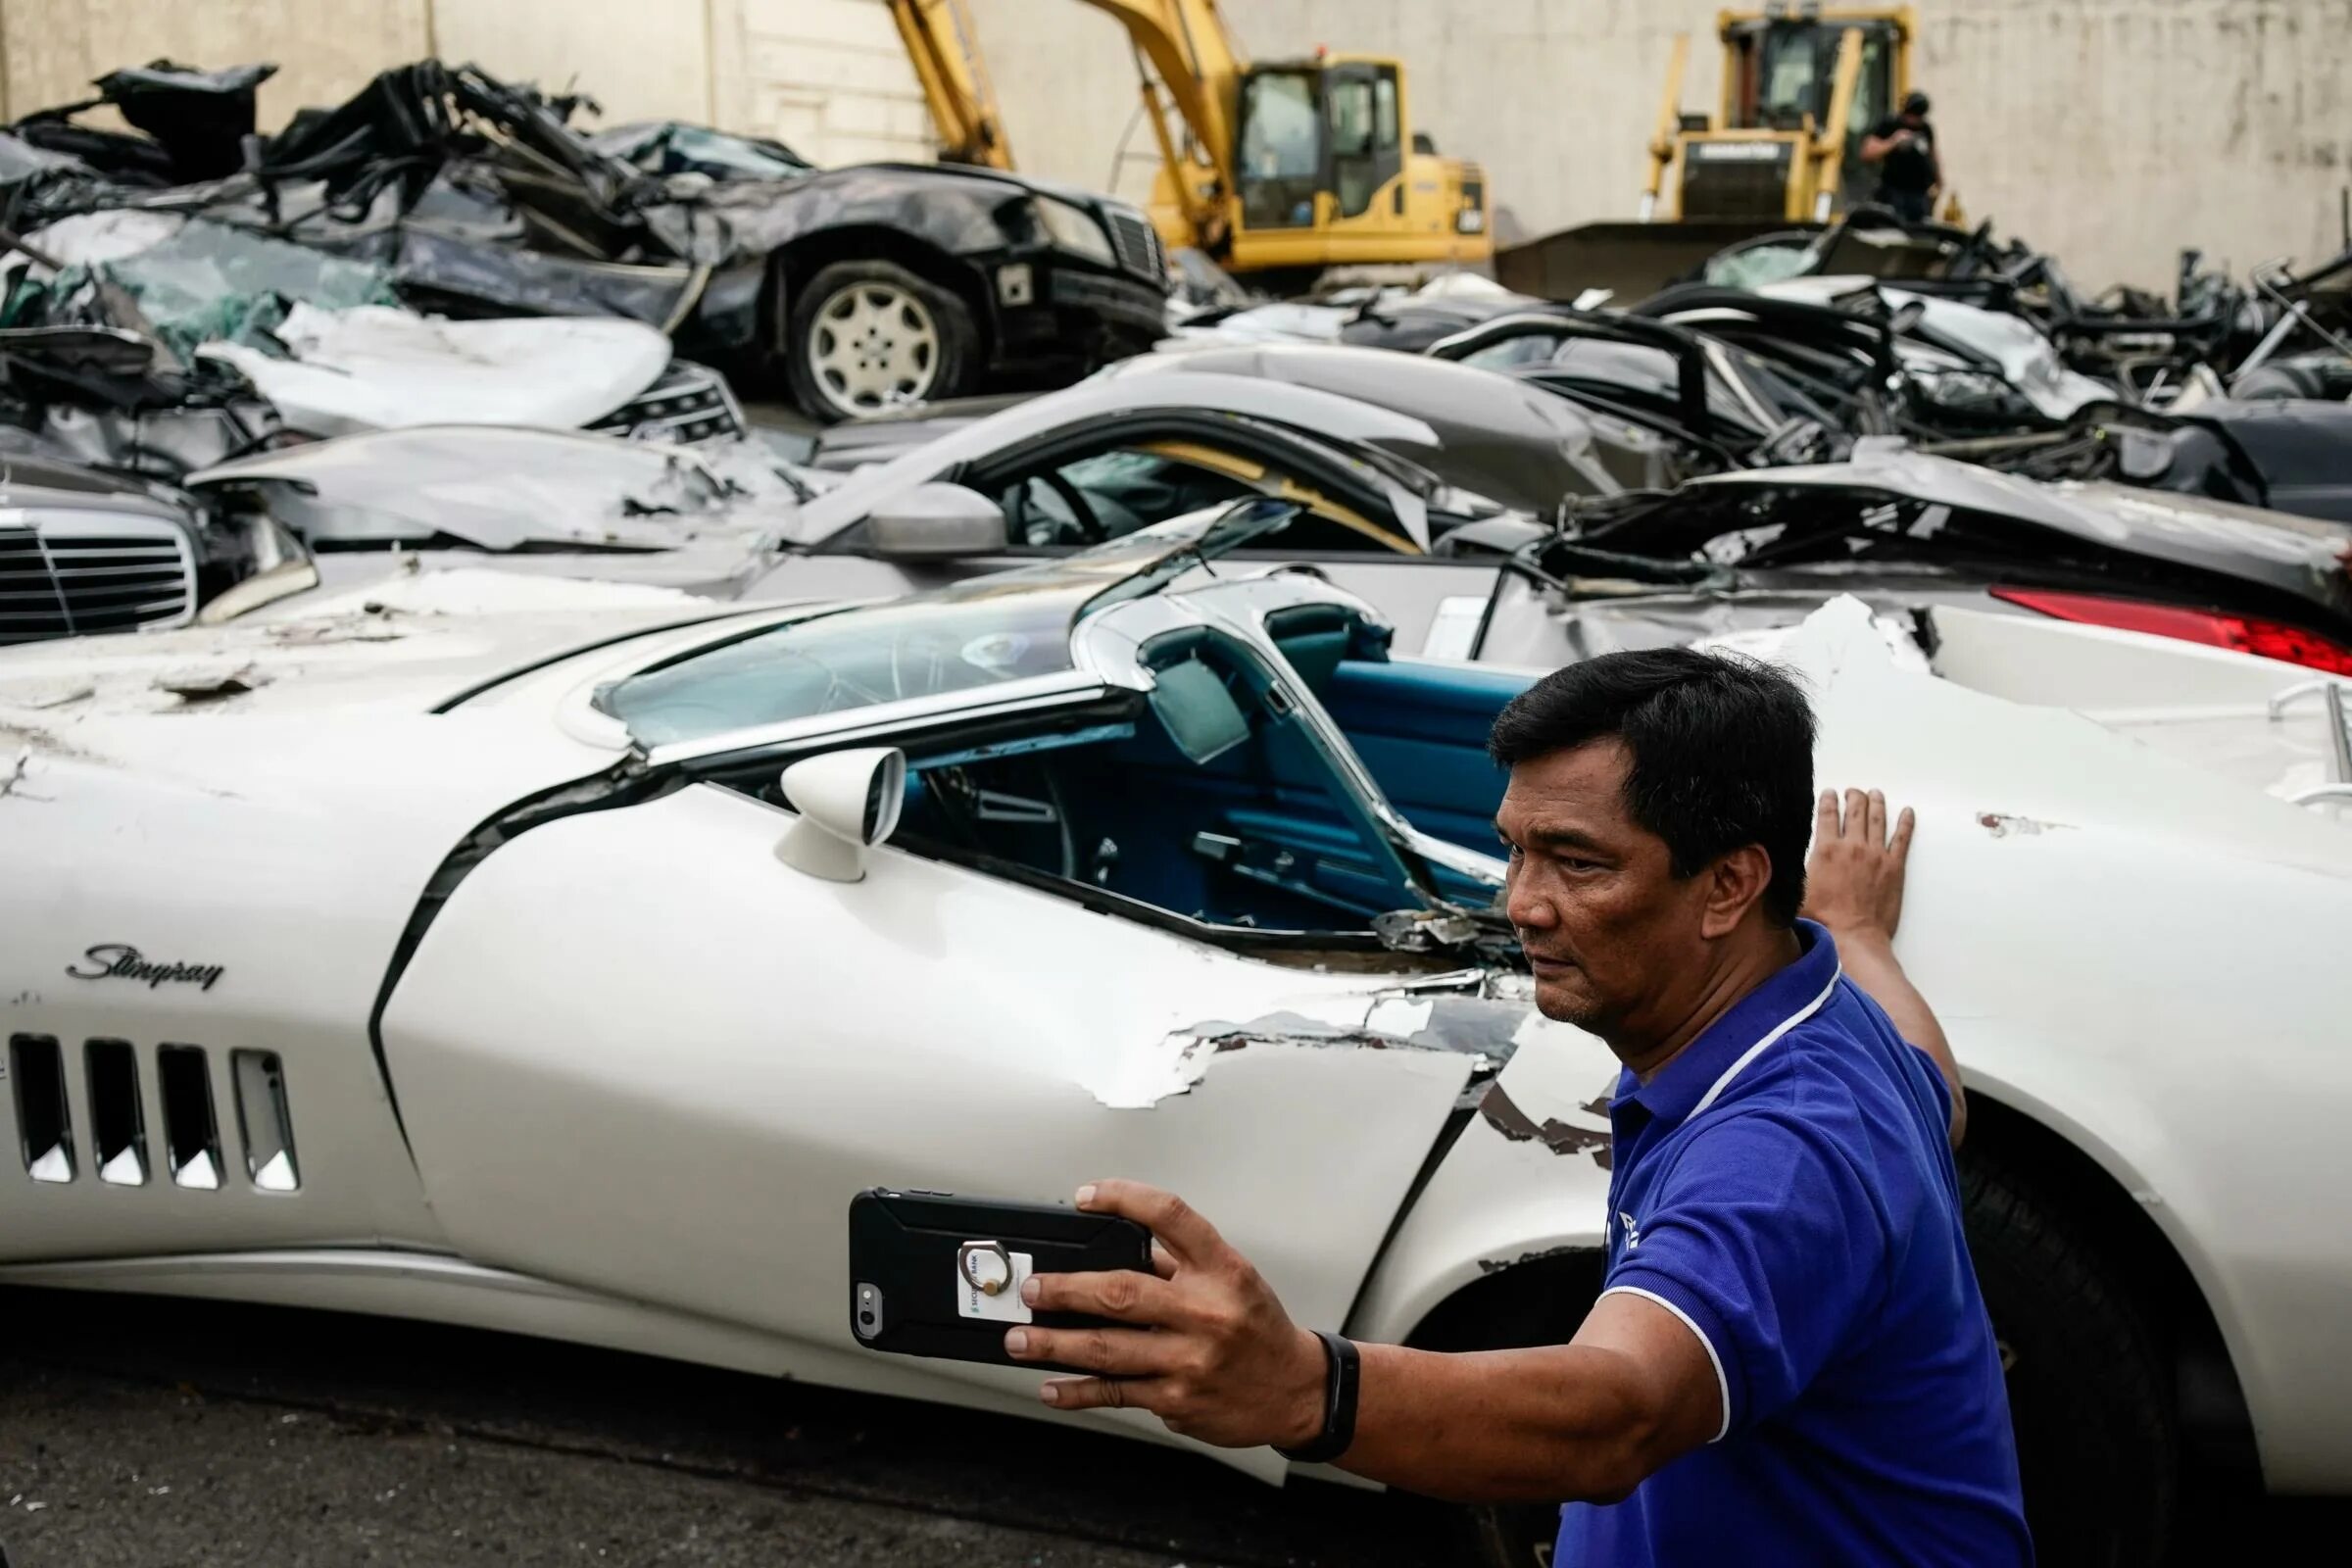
[2184, 905]
[612, 1071]
[379, 368]
[716, 1179]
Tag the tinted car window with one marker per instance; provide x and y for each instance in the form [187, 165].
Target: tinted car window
[1123, 490]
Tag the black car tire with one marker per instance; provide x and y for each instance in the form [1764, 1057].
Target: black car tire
[863, 337]
[2097, 1437]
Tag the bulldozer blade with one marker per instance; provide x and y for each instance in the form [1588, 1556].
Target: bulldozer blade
[1631, 261]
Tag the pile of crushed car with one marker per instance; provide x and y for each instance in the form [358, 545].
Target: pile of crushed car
[487, 663]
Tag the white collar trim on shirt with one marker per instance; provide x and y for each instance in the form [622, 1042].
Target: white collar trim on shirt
[1757, 1049]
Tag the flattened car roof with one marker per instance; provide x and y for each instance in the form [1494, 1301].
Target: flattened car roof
[2306, 556]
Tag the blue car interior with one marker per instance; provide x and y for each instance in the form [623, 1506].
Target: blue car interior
[1220, 803]
[1419, 728]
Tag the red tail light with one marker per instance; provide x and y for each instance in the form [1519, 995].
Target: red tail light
[2247, 634]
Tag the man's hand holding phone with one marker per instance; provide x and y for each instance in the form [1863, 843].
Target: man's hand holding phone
[1202, 1341]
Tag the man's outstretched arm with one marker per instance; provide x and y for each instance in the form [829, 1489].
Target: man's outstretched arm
[1214, 1355]
[1854, 887]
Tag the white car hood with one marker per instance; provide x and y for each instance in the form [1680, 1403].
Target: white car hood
[400, 646]
[377, 368]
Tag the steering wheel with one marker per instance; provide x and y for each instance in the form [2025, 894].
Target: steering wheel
[1019, 511]
[1082, 514]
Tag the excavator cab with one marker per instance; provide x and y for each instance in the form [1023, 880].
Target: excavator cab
[1278, 170]
[1325, 172]
[1314, 126]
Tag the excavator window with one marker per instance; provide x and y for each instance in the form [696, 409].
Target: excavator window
[1282, 148]
[1365, 150]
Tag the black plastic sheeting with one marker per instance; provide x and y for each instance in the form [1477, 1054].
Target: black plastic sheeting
[195, 123]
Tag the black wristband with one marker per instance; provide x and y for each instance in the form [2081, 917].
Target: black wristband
[1341, 1367]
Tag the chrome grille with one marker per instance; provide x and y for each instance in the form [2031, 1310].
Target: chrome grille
[690, 402]
[76, 572]
[1136, 243]
[1746, 180]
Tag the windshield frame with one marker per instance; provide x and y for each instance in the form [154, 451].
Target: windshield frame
[1090, 581]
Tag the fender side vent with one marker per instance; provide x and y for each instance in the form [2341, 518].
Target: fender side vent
[263, 1122]
[191, 1132]
[44, 1124]
[118, 1122]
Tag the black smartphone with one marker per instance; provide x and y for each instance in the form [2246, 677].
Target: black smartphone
[938, 1275]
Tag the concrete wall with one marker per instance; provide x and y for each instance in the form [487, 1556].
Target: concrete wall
[645, 60]
[2109, 131]
[50, 49]
[829, 76]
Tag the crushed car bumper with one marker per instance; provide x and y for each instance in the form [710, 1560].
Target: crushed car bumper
[1048, 314]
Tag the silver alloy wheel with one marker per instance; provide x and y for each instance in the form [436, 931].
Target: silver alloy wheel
[873, 346]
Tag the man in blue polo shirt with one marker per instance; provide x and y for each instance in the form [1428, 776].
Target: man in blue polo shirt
[1790, 1362]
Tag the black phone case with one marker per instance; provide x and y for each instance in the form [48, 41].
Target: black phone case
[904, 1246]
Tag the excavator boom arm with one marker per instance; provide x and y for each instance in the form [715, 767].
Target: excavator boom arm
[1199, 65]
[1185, 43]
[945, 51]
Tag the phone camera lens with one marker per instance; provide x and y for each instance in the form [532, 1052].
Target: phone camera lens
[866, 1318]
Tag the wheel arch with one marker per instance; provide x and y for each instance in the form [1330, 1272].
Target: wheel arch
[1540, 1297]
[2164, 1280]
[791, 267]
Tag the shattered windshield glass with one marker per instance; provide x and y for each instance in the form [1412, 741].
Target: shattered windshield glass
[669, 147]
[206, 282]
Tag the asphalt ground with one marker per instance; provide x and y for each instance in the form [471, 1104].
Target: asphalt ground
[153, 1434]
[144, 1433]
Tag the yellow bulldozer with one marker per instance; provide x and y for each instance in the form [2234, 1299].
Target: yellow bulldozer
[1276, 169]
[1802, 85]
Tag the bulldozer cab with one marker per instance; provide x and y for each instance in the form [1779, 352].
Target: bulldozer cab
[1780, 74]
[1802, 86]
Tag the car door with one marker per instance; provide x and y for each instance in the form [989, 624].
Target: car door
[636, 1053]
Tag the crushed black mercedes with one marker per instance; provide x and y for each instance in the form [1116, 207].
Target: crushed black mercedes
[859, 289]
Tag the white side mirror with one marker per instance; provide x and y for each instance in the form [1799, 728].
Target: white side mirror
[940, 519]
[846, 801]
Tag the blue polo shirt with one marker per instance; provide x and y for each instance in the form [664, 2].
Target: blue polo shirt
[1784, 1187]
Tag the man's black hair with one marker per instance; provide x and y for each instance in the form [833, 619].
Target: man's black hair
[1721, 749]
[1915, 103]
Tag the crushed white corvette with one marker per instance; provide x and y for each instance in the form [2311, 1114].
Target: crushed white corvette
[462, 954]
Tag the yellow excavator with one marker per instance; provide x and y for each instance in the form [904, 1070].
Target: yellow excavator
[1802, 85]
[1277, 170]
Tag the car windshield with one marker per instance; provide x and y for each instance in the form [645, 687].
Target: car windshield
[1008, 626]
[850, 659]
[666, 147]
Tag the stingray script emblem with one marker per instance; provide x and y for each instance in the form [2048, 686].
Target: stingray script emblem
[120, 961]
